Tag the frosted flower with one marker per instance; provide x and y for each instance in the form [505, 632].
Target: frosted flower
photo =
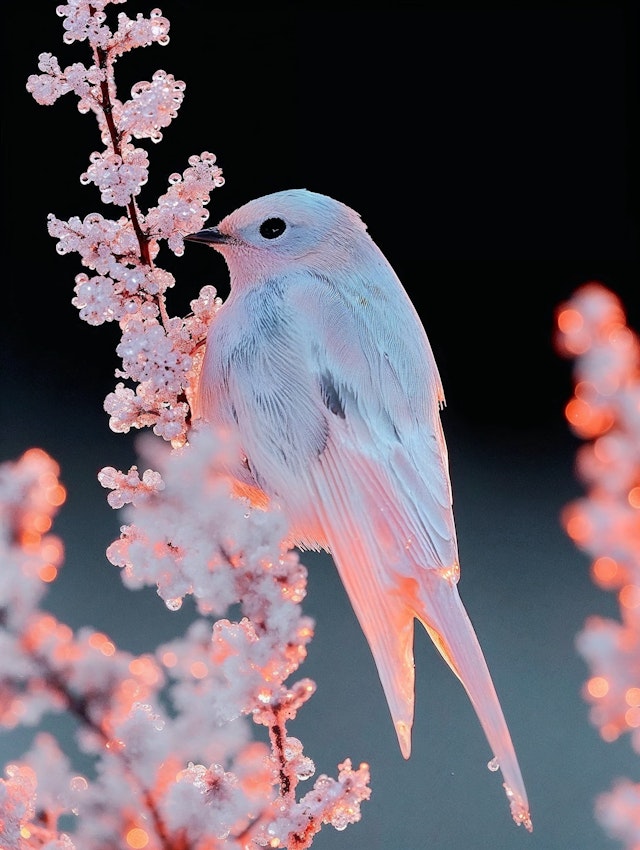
[47, 87]
[149, 356]
[171, 422]
[103, 244]
[139, 32]
[141, 734]
[330, 801]
[83, 20]
[206, 801]
[129, 488]
[181, 209]
[126, 410]
[57, 793]
[153, 105]
[96, 299]
[118, 176]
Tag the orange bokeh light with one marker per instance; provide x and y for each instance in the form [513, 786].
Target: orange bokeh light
[578, 527]
[634, 497]
[102, 643]
[570, 320]
[598, 687]
[41, 523]
[629, 596]
[605, 570]
[145, 668]
[52, 550]
[632, 697]
[198, 669]
[632, 717]
[36, 453]
[587, 420]
[610, 732]
[47, 573]
[30, 538]
[56, 495]
[137, 666]
[137, 838]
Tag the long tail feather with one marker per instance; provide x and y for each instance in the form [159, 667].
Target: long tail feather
[392, 560]
[442, 613]
[387, 624]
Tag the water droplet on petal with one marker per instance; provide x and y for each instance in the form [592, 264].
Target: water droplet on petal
[174, 604]
[78, 783]
[494, 764]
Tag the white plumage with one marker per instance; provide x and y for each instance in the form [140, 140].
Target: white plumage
[320, 365]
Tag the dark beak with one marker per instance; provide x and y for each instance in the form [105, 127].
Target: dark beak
[210, 236]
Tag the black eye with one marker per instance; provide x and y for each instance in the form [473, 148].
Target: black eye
[271, 228]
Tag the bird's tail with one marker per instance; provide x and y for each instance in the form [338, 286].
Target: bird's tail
[387, 624]
[439, 608]
[387, 557]
[387, 620]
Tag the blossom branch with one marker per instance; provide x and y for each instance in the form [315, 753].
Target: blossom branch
[605, 523]
[154, 723]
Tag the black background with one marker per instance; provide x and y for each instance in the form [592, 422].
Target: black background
[492, 150]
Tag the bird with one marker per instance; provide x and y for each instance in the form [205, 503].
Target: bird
[319, 364]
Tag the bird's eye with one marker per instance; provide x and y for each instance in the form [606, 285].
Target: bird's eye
[271, 228]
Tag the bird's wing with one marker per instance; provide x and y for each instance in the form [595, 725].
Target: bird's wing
[312, 367]
[339, 408]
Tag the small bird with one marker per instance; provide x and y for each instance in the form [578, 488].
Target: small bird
[319, 364]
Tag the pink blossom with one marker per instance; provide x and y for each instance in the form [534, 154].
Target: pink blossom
[170, 734]
[153, 105]
[118, 176]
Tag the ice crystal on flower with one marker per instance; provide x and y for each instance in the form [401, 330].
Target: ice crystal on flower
[181, 209]
[139, 32]
[118, 176]
[129, 487]
[153, 105]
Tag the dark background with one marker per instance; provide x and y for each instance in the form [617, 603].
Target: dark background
[492, 151]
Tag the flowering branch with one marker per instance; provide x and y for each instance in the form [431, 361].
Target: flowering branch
[160, 355]
[605, 412]
[176, 767]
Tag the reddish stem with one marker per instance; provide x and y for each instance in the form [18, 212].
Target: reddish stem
[79, 707]
[102, 60]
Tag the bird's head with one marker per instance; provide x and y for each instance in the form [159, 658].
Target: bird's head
[277, 233]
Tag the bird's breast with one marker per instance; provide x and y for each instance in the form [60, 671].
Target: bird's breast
[258, 380]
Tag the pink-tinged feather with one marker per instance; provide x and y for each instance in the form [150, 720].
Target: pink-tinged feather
[319, 361]
[384, 553]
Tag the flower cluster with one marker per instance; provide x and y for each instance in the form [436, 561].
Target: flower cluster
[605, 523]
[160, 355]
[169, 731]
[176, 766]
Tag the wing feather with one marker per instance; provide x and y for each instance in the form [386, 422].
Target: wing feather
[342, 429]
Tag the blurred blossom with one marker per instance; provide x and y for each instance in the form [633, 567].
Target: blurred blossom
[605, 523]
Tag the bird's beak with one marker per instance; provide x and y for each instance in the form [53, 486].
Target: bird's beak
[210, 236]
